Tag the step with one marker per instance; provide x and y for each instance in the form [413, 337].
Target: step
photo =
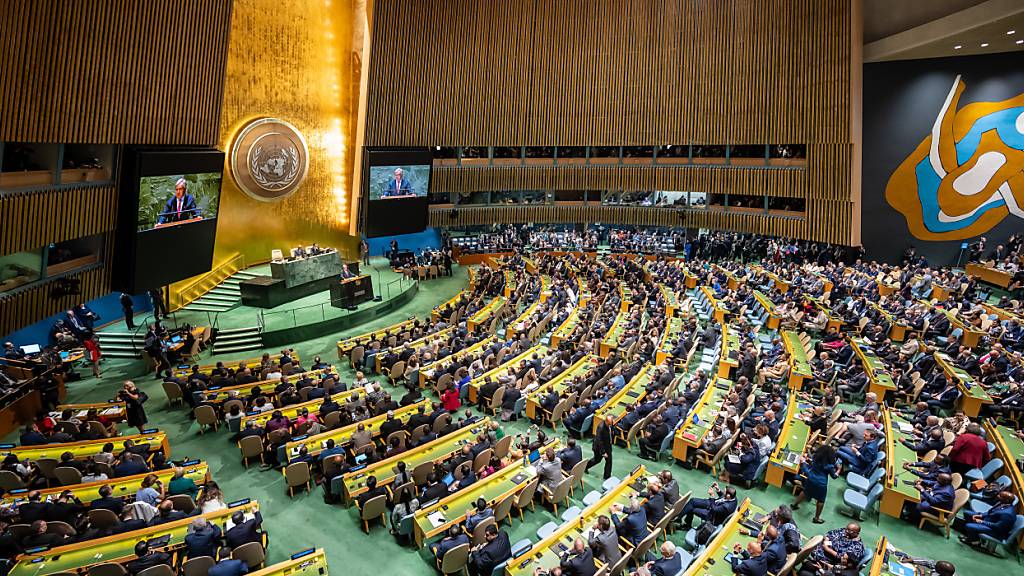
[194, 308]
[243, 275]
[229, 298]
[237, 330]
[239, 338]
[227, 290]
[108, 346]
[118, 354]
[204, 301]
[239, 348]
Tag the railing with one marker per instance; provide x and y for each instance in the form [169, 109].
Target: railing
[270, 320]
[195, 289]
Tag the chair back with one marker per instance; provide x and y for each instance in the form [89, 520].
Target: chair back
[482, 459]
[576, 475]
[101, 518]
[641, 550]
[959, 500]
[332, 420]
[57, 527]
[251, 446]
[504, 508]
[183, 503]
[501, 447]
[107, 569]
[374, 507]
[527, 494]
[205, 415]
[67, 475]
[47, 466]
[409, 486]
[442, 422]
[798, 558]
[252, 553]
[478, 531]
[421, 471]
[356, 355]
[496, 399]
[97, 429]
[454, 560]
[297, 474]
[561, 491]
[199, 566]
[158, 570]
[173, 392]
[420, 432]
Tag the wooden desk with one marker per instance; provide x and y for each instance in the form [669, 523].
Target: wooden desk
[510, 328]
[475, 384]
[1010, 449]
[971, 337]
[899, 489]
[342, 436]
[565, 329]
[545, 554]
[897, 330]
[112, 409]
[259, 419]
[712, 561]
[123, 487]
[793, 438]
[718, 311]
[183, 371]
[452, 508]
[730, 351]
[672, 331]
[347, 345]
[219, 394]
[972, 394]
[485, 314]
[559, 383]
[634, 391]
[611, 339]
[415, 345]
[799, 366]
[312, 562]
[118, 548]
[879, 380]
[691, 434]
[437, 450]
[428, 372]
[986, 273]
[82, 449]
[773, 316]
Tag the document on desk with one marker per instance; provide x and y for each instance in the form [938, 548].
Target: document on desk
[905, 426]
[733, 458]
[110, 412]
[437, 518]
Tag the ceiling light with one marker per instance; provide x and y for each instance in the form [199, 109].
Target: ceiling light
[957, 47]
[984, 44]
[1009, 32]
[1020, 41]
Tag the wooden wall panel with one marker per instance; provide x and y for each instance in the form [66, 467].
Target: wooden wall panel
[32, 304]
[35, 219]
[112, 71]
[624, 73]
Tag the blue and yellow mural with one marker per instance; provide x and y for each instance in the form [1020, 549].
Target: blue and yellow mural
[967, 175]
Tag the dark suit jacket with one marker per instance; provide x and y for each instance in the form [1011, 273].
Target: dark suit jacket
[203, 543]
[752, 566]
[188, 209]
[245, 532]
[579, 564]
[492, 554]
[394, 189]
[229, 568]
[667, 566]
[148, 561]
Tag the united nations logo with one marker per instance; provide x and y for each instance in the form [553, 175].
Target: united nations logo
[269, 159]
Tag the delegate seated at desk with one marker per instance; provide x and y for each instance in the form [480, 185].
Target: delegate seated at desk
[346, 274]
[181, 206]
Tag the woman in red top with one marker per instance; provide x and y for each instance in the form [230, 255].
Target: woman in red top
[969, 451]
[450, 399]
[92, 350]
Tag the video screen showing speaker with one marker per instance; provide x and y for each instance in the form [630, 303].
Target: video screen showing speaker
[398, 182]
[167, 215]
[177, 199]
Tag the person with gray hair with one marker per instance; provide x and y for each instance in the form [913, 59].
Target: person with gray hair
[398, 186]
[180, 207]
[669, 563]
[202, 538]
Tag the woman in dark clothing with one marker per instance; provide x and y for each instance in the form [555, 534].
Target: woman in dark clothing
[134, 399]
[814, 479]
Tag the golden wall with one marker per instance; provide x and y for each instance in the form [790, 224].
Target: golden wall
[299, 61]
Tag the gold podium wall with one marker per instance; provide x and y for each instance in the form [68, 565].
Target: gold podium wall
[299, 62]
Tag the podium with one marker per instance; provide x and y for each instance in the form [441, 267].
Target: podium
[351, 292]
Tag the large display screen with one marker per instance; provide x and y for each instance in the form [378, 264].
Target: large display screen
[398, 182]
[177, 199]
[167, 216]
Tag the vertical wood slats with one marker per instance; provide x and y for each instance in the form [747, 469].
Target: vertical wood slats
[35, 219]
[113, 71]
[624, 73]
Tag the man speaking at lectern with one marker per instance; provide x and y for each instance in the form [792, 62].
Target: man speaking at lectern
[181, 206]
[399, 186]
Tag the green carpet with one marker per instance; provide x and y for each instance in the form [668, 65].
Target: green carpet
[306, 521]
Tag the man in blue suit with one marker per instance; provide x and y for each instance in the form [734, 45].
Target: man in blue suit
[202, 539]
[229, 567]
[399, 186]
[940, 496]
[181, 206]
[455, 537]
[861, 460]
[997, 522]
[669, 564]
[774, 549]
[750, 562]
[633, 527]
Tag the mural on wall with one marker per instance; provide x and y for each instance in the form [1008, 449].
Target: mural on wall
[967, 175]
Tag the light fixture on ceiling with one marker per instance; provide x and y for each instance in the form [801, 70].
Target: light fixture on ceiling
[957, 47]
[984, 44]
[1010, 32]
[1020, 41]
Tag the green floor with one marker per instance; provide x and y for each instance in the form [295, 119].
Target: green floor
[305, 521]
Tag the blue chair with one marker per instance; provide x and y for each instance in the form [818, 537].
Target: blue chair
[862, 484]
[591, 498]
[869, 554]
[610, 483]
[861, 503]
[520, 406]
[546, 530]
[993, 544]
[521, 547]
[571, 514]
[985, 472]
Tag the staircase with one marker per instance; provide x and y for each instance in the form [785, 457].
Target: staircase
[222, 297]
[238, 339]
[119, 344]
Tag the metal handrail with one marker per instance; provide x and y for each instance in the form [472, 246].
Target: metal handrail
[183, 295]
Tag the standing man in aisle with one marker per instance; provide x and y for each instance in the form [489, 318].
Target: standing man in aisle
[159, 307]
[603, 446]
[128, 307]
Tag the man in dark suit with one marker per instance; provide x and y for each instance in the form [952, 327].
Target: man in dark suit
[229, 567]
[455, 537]
[669, 564]
[603, 447]
[244, 531]
[578, 560]
[202, 539]
[146, 559]
[571, 455]
[107, 502]
[714, 509]
[633, 526]
[398, 186]
[749, 562]
[495, 550]
[128, 309]
[181, 206]
[34, 509]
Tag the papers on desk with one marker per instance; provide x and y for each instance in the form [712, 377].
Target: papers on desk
[733, 458]
[228, 525]
[437, 518]
[900, 569]
[110, 412]
[904, 426]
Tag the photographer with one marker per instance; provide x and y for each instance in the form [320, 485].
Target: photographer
[134, 399]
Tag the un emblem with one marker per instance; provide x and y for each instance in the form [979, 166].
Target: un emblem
[269, 159]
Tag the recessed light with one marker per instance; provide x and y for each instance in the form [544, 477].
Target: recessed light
[984, 45]
[957, 47]
[1020, 41]
[1009, 32]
